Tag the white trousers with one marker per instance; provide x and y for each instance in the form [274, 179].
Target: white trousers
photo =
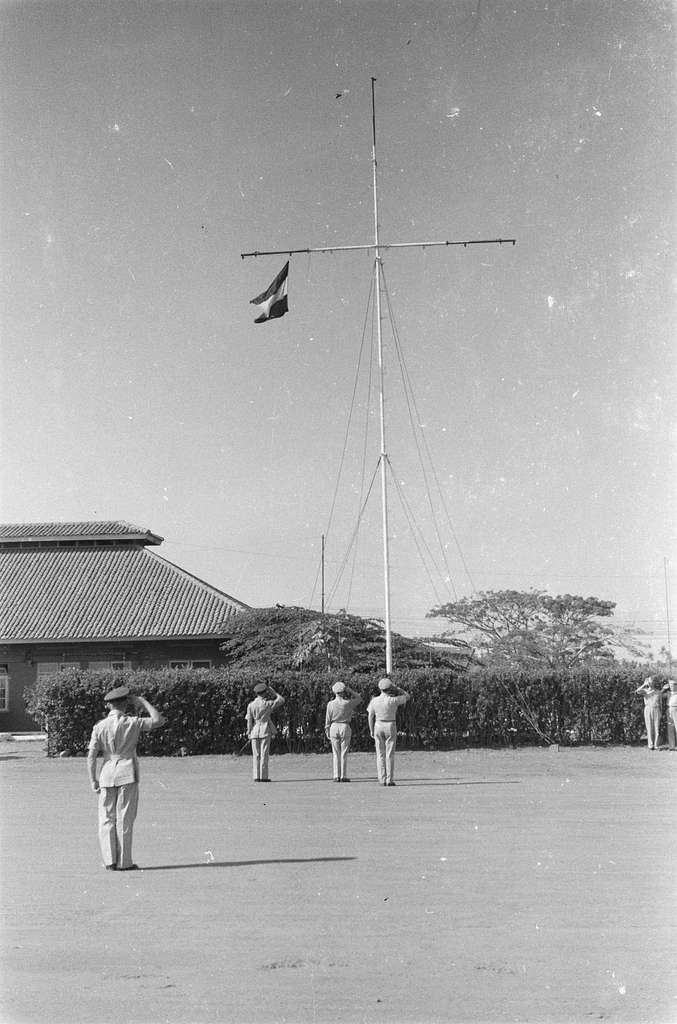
[385, 738]
[260, 752]
[339, 737]
[117, 812]
[672, 719]
[652, 720]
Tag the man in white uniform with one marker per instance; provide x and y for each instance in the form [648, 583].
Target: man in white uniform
[116, 737]
[671, 686]
[261, 728]
[337, 727]
[382, 712]
[653, 701]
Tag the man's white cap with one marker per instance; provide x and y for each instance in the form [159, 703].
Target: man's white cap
[384, 684]
[339, 687]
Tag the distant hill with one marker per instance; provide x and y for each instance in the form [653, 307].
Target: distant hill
[301, 639]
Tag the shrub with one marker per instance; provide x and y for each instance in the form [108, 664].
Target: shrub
[205, 710]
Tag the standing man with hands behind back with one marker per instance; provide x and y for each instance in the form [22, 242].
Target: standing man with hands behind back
[116, 737]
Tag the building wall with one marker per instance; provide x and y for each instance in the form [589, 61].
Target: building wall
[22, 663]
[19, 675]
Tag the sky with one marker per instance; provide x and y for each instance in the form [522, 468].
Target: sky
[145, 146]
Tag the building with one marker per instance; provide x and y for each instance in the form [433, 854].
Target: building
[95, 595]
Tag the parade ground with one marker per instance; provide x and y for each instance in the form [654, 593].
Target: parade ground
[533, 885]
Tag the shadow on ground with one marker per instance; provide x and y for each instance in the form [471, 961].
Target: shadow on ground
[245, 863]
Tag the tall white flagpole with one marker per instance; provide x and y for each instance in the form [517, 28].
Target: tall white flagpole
[384, 453]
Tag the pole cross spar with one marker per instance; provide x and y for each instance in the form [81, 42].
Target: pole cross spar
[381, 245]
[378, 246]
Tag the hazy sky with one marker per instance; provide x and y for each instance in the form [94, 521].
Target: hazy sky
[146, 145]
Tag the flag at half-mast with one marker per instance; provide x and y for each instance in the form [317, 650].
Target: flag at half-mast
[273, 302]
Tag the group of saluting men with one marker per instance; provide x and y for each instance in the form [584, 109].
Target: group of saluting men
[116, 736]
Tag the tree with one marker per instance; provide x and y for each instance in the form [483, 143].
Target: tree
[533, 628]
[271, 639]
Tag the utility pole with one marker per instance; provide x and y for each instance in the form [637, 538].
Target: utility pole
[667, 611]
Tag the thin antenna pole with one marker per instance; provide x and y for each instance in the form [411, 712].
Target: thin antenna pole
[384, 455]
[323, 574]
[667, 611]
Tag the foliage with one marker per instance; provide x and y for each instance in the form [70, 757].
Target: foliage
[590, 704]
[271, 639]
[664, 662]
[532, 628]
[205, 710]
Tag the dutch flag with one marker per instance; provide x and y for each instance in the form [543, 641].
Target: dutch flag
[273, 302]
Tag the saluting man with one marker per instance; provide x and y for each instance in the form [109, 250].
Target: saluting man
[261, 728]
[382, 713]
[116, 737]
[337, 727]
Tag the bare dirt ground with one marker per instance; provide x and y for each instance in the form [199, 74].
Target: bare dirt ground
[487, 886]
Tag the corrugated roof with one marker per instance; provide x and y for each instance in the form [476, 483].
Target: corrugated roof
[110, 592]
[40, 532]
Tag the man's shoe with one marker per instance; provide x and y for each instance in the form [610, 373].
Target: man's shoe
[111, 867]
[390, 783]
[132, 867]
[345, 780]
[336, 780]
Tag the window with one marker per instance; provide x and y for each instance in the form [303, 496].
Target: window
[108, 666]
[48, 668]
[4, 688]
[190, 664]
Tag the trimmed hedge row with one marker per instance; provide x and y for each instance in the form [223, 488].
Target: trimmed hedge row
[205, 710]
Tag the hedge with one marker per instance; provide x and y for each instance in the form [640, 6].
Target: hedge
[205, 710]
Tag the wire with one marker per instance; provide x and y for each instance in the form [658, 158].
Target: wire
[354, 534]
[416, 533]
[410, 399]
[365, 443]
[347, 431]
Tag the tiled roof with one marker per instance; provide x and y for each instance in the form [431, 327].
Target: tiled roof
[111, 591]
[45, 532]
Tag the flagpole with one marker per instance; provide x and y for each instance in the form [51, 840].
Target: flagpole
[384, 455]
[377, 246]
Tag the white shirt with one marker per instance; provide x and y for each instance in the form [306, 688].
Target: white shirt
[116, 737]
[384, 707]
[340, 711]
[259, 722]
